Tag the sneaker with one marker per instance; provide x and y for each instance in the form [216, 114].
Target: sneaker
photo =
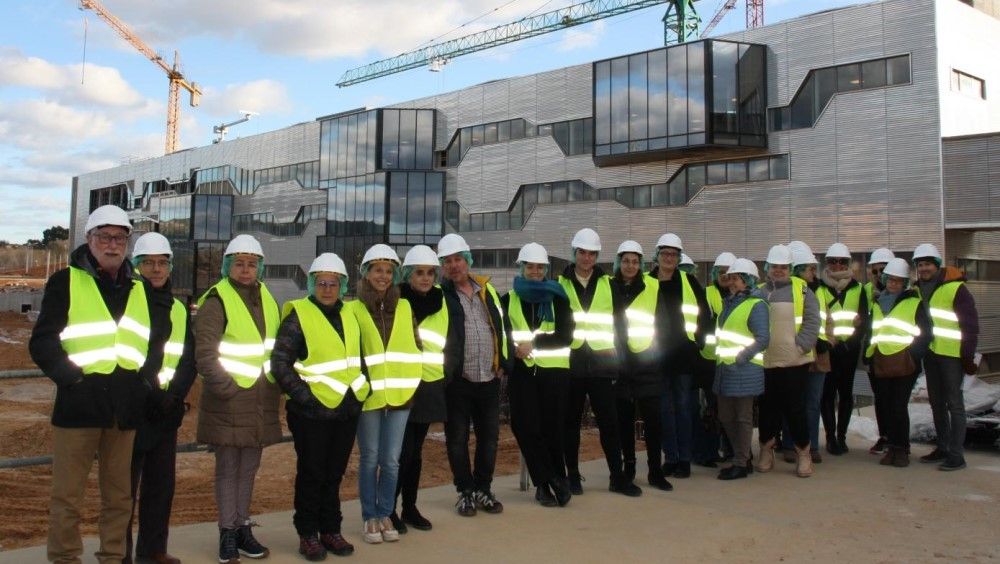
[336, 543]
[228, 553]
[543, 495]
[389, 532]
[397, 523]
[311, 548]
[952, 463]
[879, 447]
[413, 518]
[486, 501]
[373, 532]
[733, 473]
[683, 470]
[466, 504]
[248, 545]
[624, 486]
[936, 455]
[576, 485]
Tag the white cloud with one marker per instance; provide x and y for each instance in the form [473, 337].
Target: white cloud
[103, 86]
[581, 38]
[29, 211]
[43, 124]
[262, 96]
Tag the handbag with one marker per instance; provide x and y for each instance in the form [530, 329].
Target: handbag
[895, 365]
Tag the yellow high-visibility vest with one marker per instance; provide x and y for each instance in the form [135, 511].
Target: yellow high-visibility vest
[522, 333]
[433, 335]
[173, 349]
[595, 326]
[895, 332]
[394, 370]
[734, 335]
[242, 351]
[947, 333]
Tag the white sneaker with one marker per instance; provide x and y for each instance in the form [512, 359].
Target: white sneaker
[389, 532]
[373, 532]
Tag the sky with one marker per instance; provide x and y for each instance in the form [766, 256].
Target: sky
[76, 98]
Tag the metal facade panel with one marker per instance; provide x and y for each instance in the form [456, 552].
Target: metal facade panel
[967, 195]
[522, 102]
[987, 296]
[857, 33]
[495, 101]
[470, 106]
[551, 101]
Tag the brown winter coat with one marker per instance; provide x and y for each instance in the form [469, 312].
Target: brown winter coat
[230, 415]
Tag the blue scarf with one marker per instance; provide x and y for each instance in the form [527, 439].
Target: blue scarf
[540, 294]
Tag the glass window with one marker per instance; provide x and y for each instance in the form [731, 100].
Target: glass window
[559, 192]
[489, 221]
[390, 139]
[454, 156]
[476, 222]
[407, 138]
[545, 129]
[516, 213]
[619, 100]
[826, 86]
[477, 135]
[716, 173]
[530, 196]
[695, 178]
[641, 196]
[758, 170]
[490, 133]
[434, 202]
[736, 171]
[371, 144]
[200, 217]
[503, 221]
[724, 95]
[873, 74]
[425, 140]
[602, 101]
[352, 146]
[677, 99]
[660, 195]
[415, 204]
[544, 193]
[466, 136]
[779, 167]
[517, 129]
[678, 189]
[802, 106]
[696, 87]
[588, 135]
[637, 96]
[561, 133]
[577, 191]
[657, 90]
[503, 131]
[898, 70]
[752, 95]
[848, 77]
[397, 203]
[625, 196]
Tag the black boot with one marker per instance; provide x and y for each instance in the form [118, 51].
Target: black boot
[733, 473]
[683, 470]
[248, 545]
[832, 446]
[228, 553]
[656, 479]
[619, 484]
[576, 484]
[544, 496]
[629, 469]
[560, 488]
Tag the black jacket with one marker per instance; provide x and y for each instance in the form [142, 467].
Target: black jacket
[496, 327]
[640, 374]
[585, 361]
[289, 347]
[429, 400]
[680, 355]
[116, 399]
[561, 338]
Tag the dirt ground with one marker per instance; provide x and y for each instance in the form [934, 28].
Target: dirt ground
[15, 330]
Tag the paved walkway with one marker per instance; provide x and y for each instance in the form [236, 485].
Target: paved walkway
[851, 510]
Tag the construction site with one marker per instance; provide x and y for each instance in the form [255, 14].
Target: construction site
[869, 124]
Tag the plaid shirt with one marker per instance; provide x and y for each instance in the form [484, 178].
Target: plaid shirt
[478, 365]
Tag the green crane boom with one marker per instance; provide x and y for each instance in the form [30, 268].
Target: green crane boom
[680, 24]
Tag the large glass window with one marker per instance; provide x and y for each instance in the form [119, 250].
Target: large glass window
[347, 148]
[416, 200]
[724, 88]
[175, 217]
[212, 218]
[484, 134]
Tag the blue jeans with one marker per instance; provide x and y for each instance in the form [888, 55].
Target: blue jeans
[814, 394]
[676, 408]
[380, 440]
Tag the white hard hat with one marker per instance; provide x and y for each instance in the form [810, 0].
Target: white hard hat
[629, 246]
[725, 259]
[421, 255]
[244, 244]
[533, 252]
[802, 256]
[686, 260]
[897, 267]
[380, 251]
[328, 262]
[926, 250]
[793, 245]
[669, 240]
[779, 254]
[586, 239]
[108, 215]
[152, 243]
[744, 266]
[450, 244]
[881, 255]
[838, 250]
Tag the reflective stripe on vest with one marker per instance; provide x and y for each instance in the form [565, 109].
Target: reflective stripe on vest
[714, 298]
[174, 347]
[92, 339]
[433, 332]
[333, 365]
[947, 339]
[522, 333]
[689, 307]
[242, 352]
[894, 333]
[824, 314]
[394, 371]
[595, 326]
[641, 316]
[734, 335]
[842, 315]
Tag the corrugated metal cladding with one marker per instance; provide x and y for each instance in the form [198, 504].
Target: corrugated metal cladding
[972, 181]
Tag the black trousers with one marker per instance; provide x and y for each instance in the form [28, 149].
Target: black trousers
[601, 392]
[652, 425]
[892, 398]
[538, 403]
[838, 389]
[153, 479]
[411, 462]
[323, 448]
[879, 414]
[477, 403]
[784, 397]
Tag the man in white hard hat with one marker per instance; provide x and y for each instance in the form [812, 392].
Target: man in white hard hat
[952, 351]
[155, 454]
[849, 312]
[474, 397]
[98, 340]
[593, 362]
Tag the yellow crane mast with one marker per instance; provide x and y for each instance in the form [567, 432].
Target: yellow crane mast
[177, 80]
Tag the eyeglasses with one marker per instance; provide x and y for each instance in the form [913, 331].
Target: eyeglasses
[842, 261]
[106, 238]
[669, 253]
[149, 263]
[327, 284]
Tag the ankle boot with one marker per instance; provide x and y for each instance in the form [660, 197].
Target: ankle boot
[902, 459]
[889, 457]
[766, 462]
[629, 469]
[804, 467]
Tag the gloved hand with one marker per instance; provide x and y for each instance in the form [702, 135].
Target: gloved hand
[969, 366]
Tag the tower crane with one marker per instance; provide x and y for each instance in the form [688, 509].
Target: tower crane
[177, 80]
[755, 15]
[223, 128]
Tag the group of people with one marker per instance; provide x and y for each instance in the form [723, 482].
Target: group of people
[427, 341]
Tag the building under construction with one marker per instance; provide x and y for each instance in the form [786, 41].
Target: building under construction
[874, 125]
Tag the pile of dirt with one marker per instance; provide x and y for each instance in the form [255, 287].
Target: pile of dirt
[15, 331]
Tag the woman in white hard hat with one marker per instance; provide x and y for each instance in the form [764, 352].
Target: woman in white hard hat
[849, 312]
[872, 289]
[439, 335]
[540, 323]
[795, 321]
[317, 363]
[900, 333]
[640, 376]
[743, 333]
[390, 347]
[234, 335]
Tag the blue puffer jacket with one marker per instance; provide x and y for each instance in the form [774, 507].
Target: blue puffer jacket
[743, 378]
